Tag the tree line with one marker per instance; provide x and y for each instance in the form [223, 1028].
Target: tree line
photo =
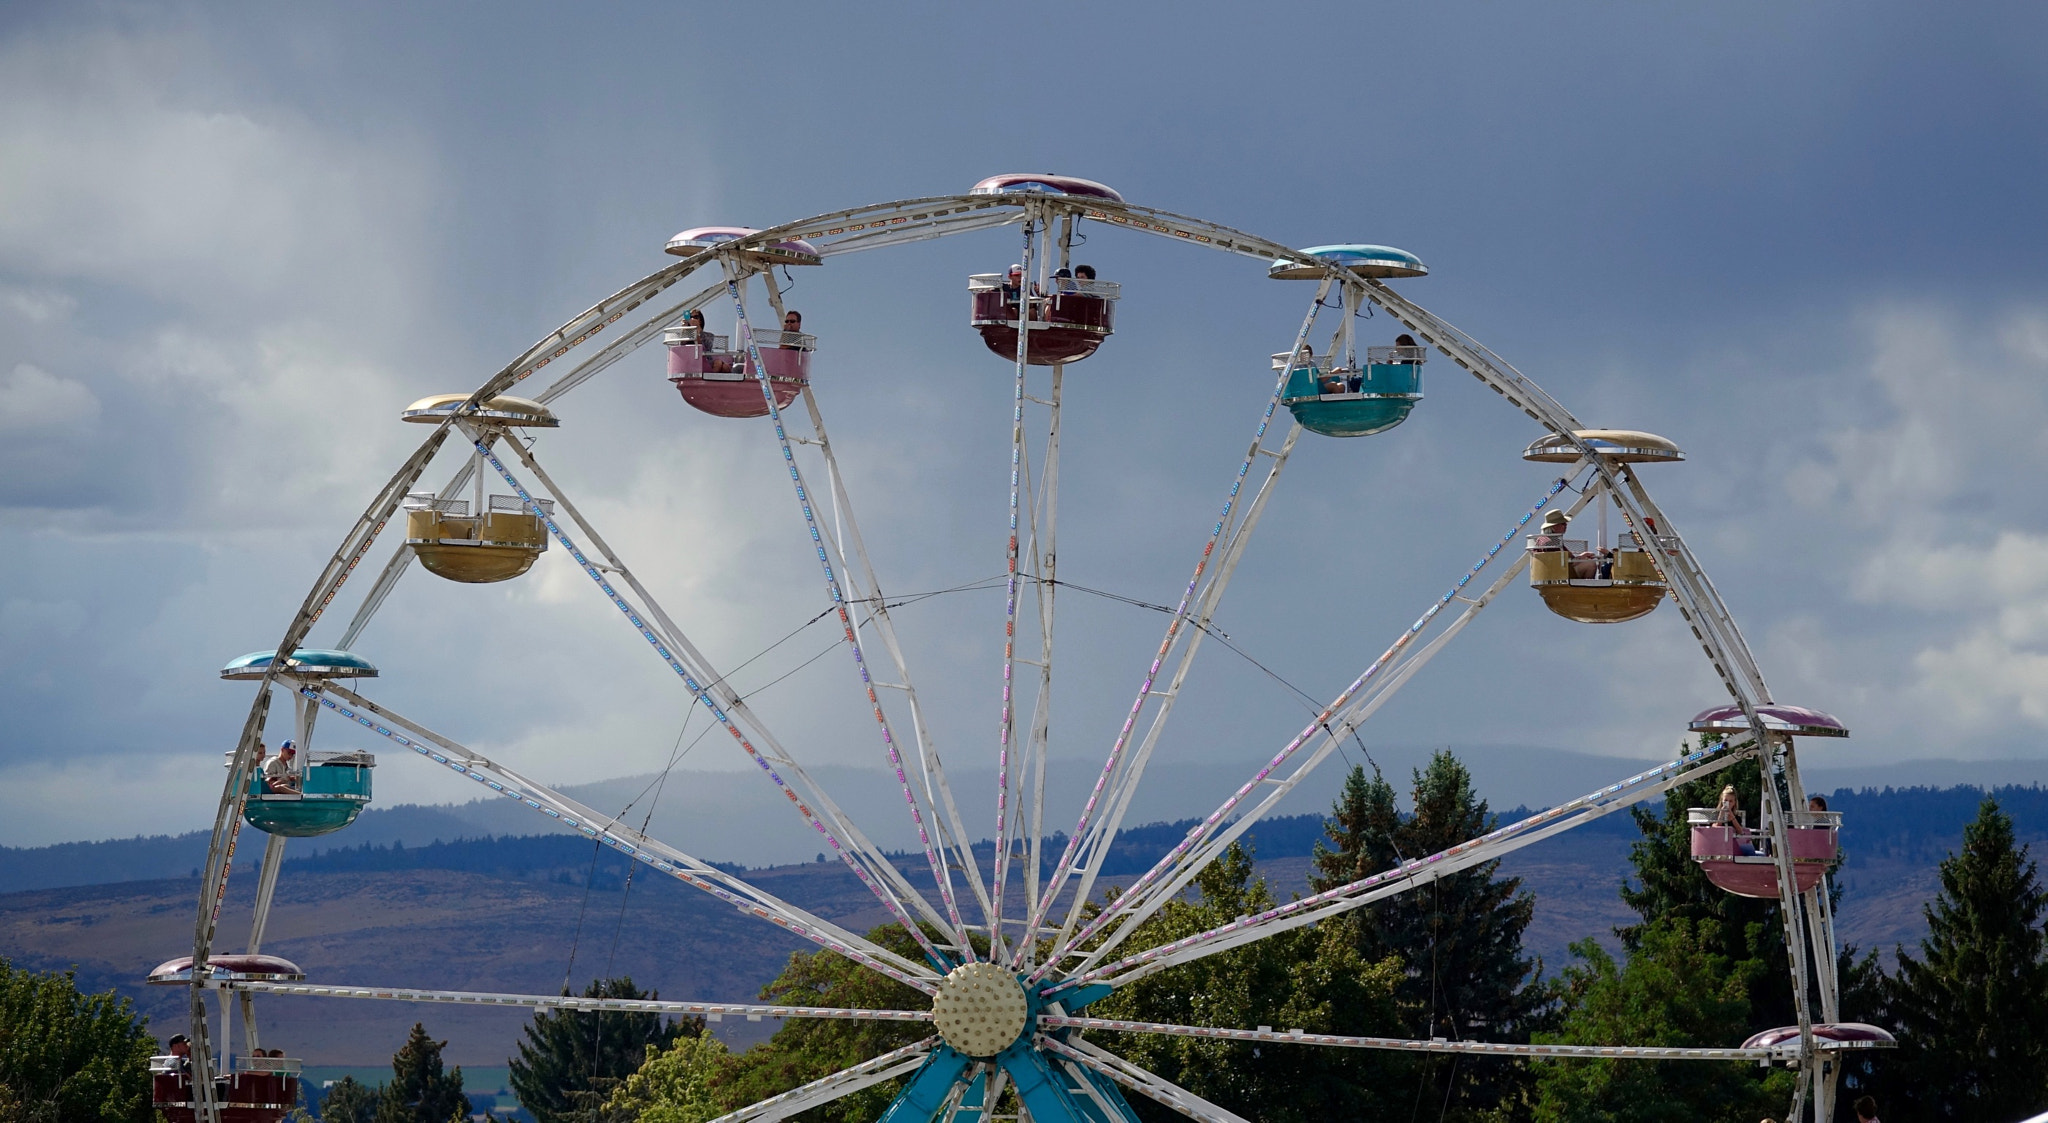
[1699, 967]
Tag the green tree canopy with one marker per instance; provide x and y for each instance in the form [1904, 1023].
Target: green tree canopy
[1308, 978]
[1675, 990]
[1458, 938]
[676, 1085]
[807, 1049]
[349, 1101]
[571, 1060]
[67, 1057]
[1972, 1011]
[1668, 884]
[420, 1090]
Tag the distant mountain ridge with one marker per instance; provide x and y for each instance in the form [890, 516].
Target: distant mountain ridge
[511, 913]
[1918, 825]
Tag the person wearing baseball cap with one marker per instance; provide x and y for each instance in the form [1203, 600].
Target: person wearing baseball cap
[280, 775]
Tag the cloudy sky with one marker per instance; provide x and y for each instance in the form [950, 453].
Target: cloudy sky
[1803, 241]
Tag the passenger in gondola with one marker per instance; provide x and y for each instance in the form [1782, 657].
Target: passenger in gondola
[1585, 565]
[1331, 382]
[792, 324]
[280, 775]
[1727, 812]
[700, 334]
[1816, 803]
[1013, 285]
[1084, 272]
[1404, 340]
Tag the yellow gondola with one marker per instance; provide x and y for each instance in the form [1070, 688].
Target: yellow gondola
[1615, 580]
[485, 538]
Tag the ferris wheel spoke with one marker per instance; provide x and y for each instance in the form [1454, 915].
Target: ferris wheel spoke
[1006, 729]
[1400, 1044]
[1349, 711]
[952, 924]
[872, 610]
[1094, 1058]
[710, 1011]
[1118, 778]
[1126, 786]
[1042, 547]
[609, 830]
[867, 861]
[1418, 872]
[888, 1066]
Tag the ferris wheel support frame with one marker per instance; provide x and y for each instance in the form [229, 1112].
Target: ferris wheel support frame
[944, 883]
[609, 830]
[1712, 625]
[858, 570]
[1198, 605]
[860, 854]
[1366, 694]
[910, 220]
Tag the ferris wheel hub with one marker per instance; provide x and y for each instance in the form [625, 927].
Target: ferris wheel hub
[980, 1009]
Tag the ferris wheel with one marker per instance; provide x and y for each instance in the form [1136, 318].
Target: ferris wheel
[1011, 959]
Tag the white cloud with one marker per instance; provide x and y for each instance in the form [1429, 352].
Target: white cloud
[38, 304]
[33, 400]
[1916, 512]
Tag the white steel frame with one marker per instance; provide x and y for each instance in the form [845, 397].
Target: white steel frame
[1079, 956]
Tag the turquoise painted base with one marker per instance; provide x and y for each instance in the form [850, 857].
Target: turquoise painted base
[1386, 393]
[334, 794]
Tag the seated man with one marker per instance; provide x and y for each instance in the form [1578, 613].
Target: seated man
[1585, 565]
[279, 776]
[792, 324]
[1084, 272]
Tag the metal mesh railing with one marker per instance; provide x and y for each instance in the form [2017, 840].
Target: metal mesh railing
[1108, 290]
[512, 504]
[1395, 354]
[679, 337]
[786, 340]
[426, 501]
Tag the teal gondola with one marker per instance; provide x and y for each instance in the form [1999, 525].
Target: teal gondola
[1329, 399]
[333, 790]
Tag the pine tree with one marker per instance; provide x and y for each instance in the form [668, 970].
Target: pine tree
[1668, 884]
[1307, 978]
[1675, 990]
[571, 1060]
[349, 1101]
[1459, 937]
[420, 1090]
[1972, 1011]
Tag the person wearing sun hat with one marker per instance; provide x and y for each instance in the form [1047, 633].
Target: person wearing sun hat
[1584, 566]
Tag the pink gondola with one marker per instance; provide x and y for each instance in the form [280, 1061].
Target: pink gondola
[1739, 860]
[723, 381]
